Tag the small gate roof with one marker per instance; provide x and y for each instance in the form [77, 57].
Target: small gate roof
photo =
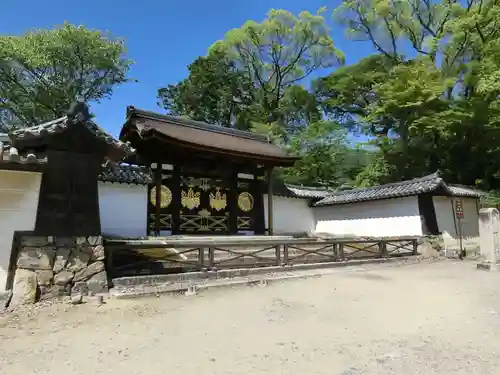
[207, 137]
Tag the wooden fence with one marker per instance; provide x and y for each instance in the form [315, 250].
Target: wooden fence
[127, 258]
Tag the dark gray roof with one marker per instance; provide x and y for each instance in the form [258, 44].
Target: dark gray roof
[309, 191]
[126, 174]
[211, 138]
[427, 184]
[61, 124]
[132, 111]
[10, 155]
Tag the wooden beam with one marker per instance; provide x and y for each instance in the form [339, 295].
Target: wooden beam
[158, 181]
[270, 224]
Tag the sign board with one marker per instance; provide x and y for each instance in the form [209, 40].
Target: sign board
[459, 209]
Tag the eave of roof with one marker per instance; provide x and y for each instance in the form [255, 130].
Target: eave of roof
[11, 159]
[428, 184]
[199, 135]
[309, 191]
[39, 132]
[125, 174]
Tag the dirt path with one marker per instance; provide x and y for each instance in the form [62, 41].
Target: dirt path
[441, 318]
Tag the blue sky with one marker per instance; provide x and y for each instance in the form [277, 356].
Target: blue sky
[162, 37]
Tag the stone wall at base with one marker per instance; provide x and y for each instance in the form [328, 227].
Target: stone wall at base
[49, 267]
[434, 246]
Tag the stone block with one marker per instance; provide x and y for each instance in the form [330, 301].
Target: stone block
[98, 283]
[81, 240]
[95, 240]
[78, 260]
[34, 241]
[97, 253]
[61, 259]
[89, 271]
[36, 258]
[25, 288]
[63, 278]
[65, 241]
[427, 250]
[5, 299]
[44, 277]
[79, 288]
[97, 300]
[76, 298]
[51, 292]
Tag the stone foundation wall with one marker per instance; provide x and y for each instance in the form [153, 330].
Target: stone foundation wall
[49, 267]
[434, 246]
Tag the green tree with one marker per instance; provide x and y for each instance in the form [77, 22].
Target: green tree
[326, 158]
[437, 106]
[43, 72]
[346, 94]
[278, 53]
[214, 92]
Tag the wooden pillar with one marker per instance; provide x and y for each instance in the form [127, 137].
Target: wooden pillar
[270, 223]
[232, 202]
[157, 175]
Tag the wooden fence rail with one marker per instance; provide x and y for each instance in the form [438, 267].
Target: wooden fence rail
[126, 258]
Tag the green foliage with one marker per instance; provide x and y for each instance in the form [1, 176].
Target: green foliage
[326, 158]
[437, 107]
[429, 98]
[214, 92]
[278, 53]
[347, 93]
[43, 72]
[251, 80]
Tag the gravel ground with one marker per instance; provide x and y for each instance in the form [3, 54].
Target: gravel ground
[441, 318]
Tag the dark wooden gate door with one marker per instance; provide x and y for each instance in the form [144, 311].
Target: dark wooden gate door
[204, 206]
[68, 203]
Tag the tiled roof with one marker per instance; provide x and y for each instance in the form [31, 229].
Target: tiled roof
[427, 184]
[61, 124]
[126, 174]
[309, 191]
[464, 191]
[199, 135]
[10, 155]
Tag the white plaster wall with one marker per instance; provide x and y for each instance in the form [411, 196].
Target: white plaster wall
[388, 217]
[123, 209]
[291, 215]
[445, 215]
[19, 192]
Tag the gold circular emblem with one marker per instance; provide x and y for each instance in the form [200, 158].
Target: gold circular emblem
[245, 201]
[165, 196]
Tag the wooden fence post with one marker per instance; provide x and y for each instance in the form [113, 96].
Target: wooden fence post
[382, 246]
[285, 254]
[415, 247]
[211, 256]
[108, 251]
[201, 257]
[278, 255]
[340, 250]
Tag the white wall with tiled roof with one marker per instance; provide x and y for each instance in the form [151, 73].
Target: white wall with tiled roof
[381, 218]
[291, 215]
[123, 209]
[451, 227]
[19, 192]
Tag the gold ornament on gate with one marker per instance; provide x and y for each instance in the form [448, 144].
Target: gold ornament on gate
[165, 196]
[190, 199]
[245, 201]
[218, 201]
